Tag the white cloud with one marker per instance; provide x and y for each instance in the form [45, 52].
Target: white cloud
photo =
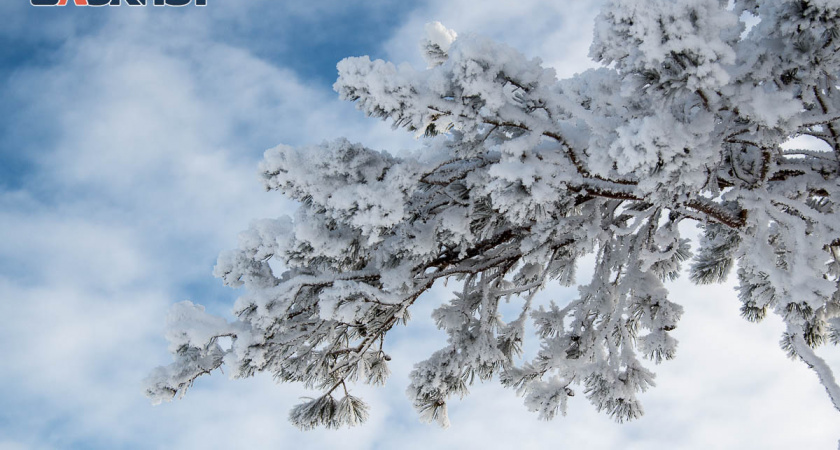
[559, 33]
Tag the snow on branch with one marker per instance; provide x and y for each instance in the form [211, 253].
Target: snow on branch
[520, 176]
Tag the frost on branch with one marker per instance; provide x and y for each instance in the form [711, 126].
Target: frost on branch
[192, 339]
[437, 43]
[521, 174]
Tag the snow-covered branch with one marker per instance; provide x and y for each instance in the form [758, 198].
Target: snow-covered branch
[520, 176]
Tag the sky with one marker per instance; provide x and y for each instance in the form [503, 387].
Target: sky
[128, 161]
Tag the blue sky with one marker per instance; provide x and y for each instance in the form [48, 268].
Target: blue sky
[128, 160]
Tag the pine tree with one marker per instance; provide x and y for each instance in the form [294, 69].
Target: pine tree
[690, 119]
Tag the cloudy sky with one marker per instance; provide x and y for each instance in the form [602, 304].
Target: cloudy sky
[128, 156]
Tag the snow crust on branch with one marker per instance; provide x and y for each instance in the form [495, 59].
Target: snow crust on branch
[520, 176]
